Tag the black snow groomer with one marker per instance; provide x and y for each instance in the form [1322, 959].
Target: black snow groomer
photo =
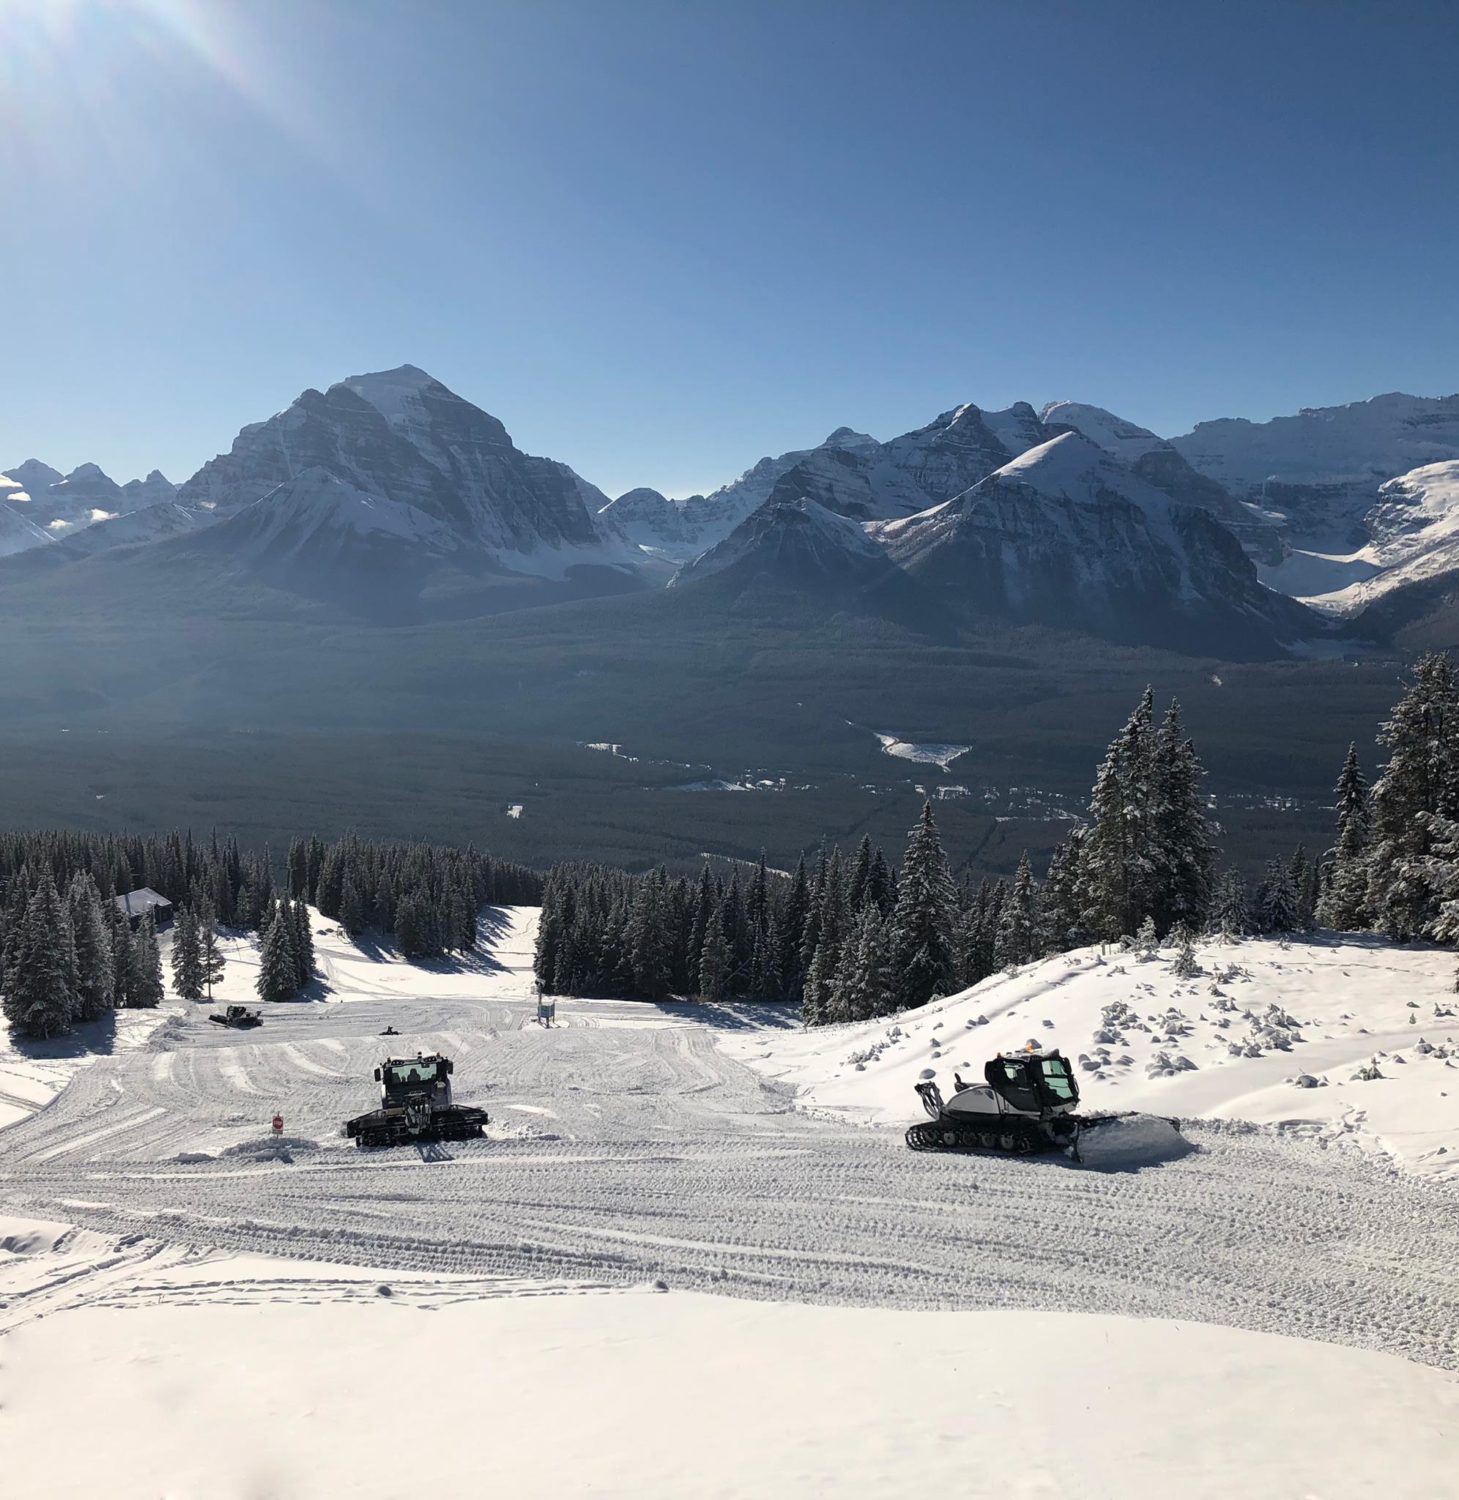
[415, 1105]
[1026, 1104]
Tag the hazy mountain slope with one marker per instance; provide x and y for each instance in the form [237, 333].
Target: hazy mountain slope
[18, 533]
[796, 542]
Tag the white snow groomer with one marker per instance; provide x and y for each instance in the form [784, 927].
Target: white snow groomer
[1027, 1104]
[416, 1105]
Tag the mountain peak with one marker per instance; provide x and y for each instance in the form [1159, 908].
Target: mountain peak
[1112, 433]
[86, 471]
[849, 438]
[33, 476]
[392, 392]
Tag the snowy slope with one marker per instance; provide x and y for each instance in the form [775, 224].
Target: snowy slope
[1414, 539]
[683, 1397]
[1115, 435]
[1227, 1044]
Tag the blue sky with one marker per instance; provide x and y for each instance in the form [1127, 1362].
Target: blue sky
[661, 239]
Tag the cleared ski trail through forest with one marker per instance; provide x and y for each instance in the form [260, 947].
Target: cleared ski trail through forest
[626, 1147]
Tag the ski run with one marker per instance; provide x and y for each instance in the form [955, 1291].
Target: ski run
[693, 1253]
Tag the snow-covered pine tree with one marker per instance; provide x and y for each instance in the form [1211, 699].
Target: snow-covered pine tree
[122, 942]
[1276, 905]
[145, 988]
[211, 950]
[187, 956]
[1230, 915]
[792, 931]
[92, 939]
[1183, 854]
[1343, 904]
[351, 907]
[278, 965]
[923, 919]
[1186, 965]
[646, 935]
[40, 996]
[1059, 910]
[1018, 920]
[1118, 868]
[861, 987]
[303, 935]
[1422, 776]
[714, 958]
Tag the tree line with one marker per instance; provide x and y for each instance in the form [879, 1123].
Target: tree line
[68, 955]
[852, 937]
[424, 897]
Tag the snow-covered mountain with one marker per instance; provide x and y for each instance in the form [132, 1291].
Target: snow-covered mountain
[794, 542]
[1319, 472]
[416, 462]
[1161, 464]
[1409, 562]
[1067, 534]
[155, 489]
[61, 505]
[857, 476]
[18, 533]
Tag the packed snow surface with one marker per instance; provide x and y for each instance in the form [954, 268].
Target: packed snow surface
[540, 1392]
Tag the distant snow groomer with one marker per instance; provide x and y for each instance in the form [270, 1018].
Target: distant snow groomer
[415, 1105]
[1026, 1104]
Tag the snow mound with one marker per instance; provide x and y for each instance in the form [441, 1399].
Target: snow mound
[1227, 1043]
[1124, 1144]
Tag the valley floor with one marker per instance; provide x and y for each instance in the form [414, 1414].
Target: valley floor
[887, 1321]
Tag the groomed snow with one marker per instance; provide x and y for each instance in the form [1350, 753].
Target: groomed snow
[842, 1316]
[238, 1378]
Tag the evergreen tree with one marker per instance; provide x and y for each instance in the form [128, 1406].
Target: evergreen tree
[40, 998]
[862, 987]
[303, 936]
[1421, 777]
[714, 958]
[351, 907]
[1344, 901]
[1276, 909]
[278, 967]
[1183, 852]
[92, 939]
[1118, 869]
[122, 969]
[1060, 926]
[213, 962]
[145, 986]
[1230, 915]
[923, 919]
[188, 978]
[1018, 920]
